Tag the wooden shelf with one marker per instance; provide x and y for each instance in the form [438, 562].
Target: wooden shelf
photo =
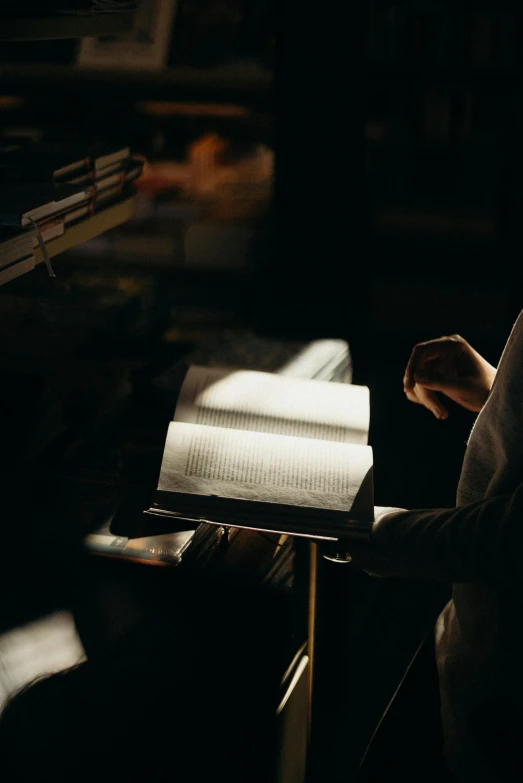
[237, 82]
[54, 27]
[88, 229]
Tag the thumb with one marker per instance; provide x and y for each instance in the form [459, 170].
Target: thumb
[430, 400]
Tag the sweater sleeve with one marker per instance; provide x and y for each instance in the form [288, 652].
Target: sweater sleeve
[477, 542]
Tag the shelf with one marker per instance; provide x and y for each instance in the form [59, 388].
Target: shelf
[236, 82]
[88, 229]
[55, 27]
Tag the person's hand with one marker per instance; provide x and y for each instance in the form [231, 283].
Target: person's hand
[451, 366]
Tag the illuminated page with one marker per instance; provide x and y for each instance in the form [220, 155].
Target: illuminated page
[271, 403]
[261, 467]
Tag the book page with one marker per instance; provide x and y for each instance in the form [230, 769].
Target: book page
[267, 402]
[282, 469]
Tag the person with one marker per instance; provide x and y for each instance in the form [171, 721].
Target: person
[476, 546]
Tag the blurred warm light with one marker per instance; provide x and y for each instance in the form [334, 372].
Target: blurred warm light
[205, 155]
[162, 176]
[8, 102]
[205, 171]
[172, 108]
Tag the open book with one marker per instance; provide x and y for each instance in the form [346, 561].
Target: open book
[269, 452]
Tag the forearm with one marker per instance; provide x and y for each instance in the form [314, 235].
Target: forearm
[479, 542]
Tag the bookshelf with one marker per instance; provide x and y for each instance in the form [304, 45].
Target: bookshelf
[105, 220]
[44, 28]
[54, 28]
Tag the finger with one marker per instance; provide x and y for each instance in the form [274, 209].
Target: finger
[426, 354]
[413, 397]
[431, 401]
[421, 354]
[408, 376]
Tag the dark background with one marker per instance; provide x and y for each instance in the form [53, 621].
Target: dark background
[395, 218]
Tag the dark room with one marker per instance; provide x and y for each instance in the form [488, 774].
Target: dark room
[260, 312]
